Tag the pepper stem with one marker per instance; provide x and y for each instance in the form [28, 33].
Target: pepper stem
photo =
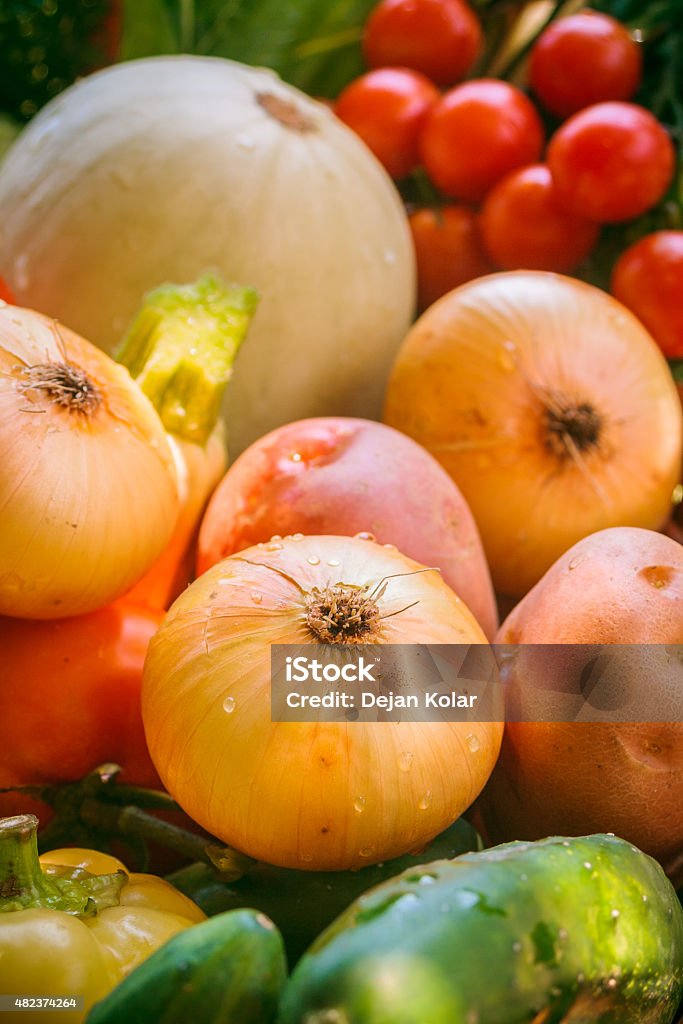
[181, 348]
[24, 885]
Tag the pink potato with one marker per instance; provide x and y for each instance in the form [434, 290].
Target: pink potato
[572, 777]
[346, 476]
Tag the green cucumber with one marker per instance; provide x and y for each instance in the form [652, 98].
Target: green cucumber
[229, 969]
[303, 903]
[587, 930]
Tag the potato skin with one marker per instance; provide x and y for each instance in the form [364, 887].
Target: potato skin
[342, 476]
[617, 586]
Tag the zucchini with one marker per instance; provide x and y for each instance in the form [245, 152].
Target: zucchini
[303, 903]
[227, 970]
[585, 930]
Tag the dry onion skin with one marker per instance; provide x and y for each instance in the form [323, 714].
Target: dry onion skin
[308, 795]
[88, 481]
[552, 409]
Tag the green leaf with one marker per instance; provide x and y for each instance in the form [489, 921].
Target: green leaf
[149, 28]
[313, 44]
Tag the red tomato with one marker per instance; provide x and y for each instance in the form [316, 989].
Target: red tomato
[476, 134]
[583, 59]
[648, 278]
[611, 162]
[440, 38]
[5, 294]
[448, 249]
[525, 228]
[71, 689]
[386, 108]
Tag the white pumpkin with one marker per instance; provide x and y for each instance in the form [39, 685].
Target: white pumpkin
[159, 169]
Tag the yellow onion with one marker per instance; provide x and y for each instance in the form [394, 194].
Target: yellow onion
[315, 795]
[88, 482]
[550, 406]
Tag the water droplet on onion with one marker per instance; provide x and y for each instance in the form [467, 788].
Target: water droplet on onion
[505, 358]
[229, 704]
[425, 801]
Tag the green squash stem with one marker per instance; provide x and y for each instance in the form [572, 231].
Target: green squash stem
[181, 348]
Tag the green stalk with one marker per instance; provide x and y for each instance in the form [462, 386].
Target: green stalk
[181, 348]
[24, 885]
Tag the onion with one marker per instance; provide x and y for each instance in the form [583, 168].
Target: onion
[551, 407]
[309, 795]
[88, 482]
[158, 170]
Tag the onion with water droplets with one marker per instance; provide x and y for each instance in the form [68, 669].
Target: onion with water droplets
[315, 795]
[88, 480]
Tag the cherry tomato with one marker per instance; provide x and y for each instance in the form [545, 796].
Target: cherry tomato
[583, 59]
[440, 38]
[611, 162]
[448, 249]
[524, 226]
[387, 108]
[648, 278]
[476, 134]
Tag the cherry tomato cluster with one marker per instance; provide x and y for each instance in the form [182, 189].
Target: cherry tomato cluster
[525, 177]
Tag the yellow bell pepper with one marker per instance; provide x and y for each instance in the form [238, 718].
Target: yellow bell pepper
[74, 922]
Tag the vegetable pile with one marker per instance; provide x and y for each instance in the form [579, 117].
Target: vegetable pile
[341, 512]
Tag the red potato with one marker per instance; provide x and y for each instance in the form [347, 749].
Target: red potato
[619, 586]
[345, 476]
